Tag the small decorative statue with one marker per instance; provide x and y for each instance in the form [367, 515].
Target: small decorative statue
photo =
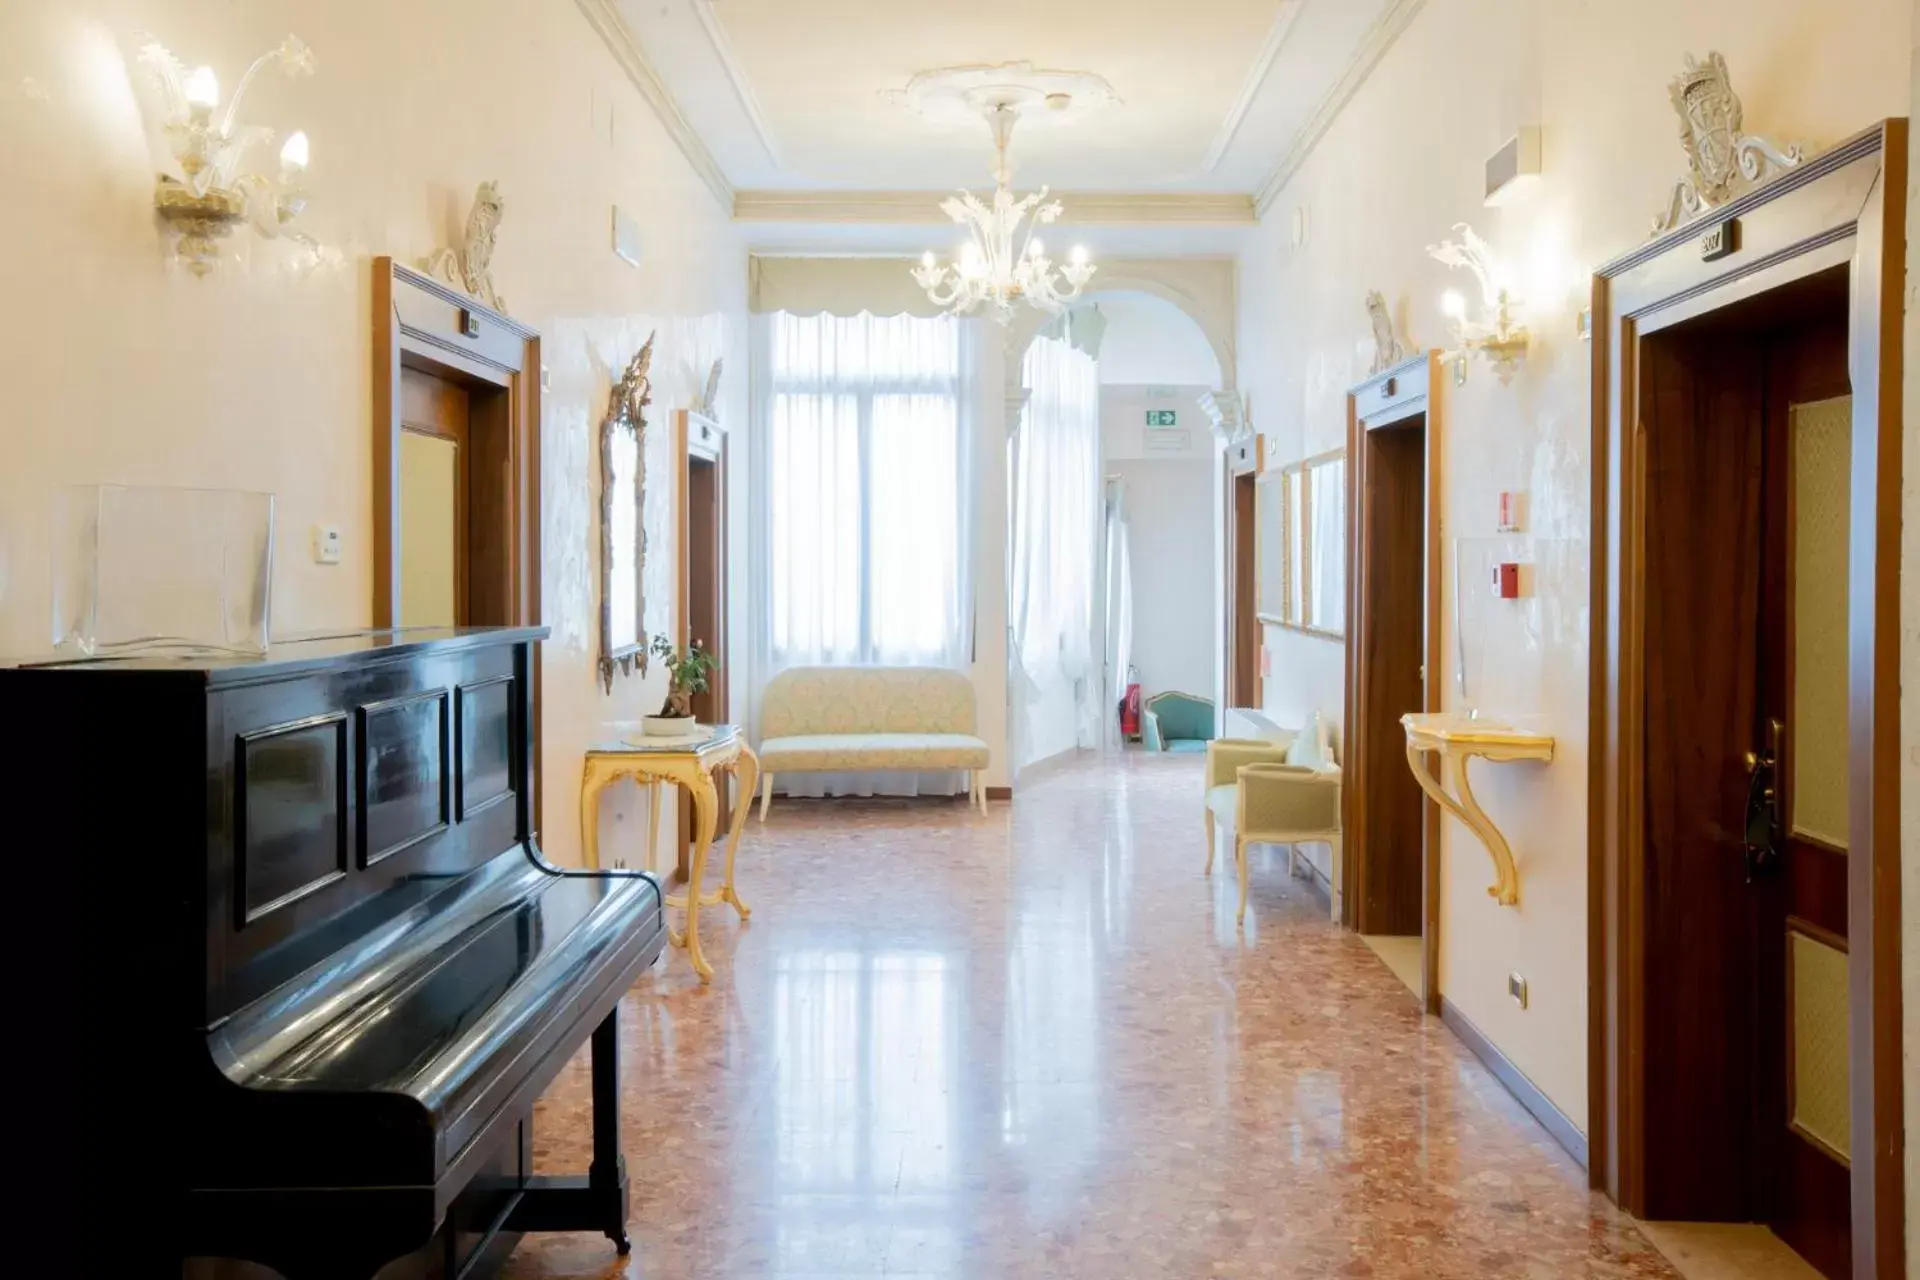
[709, 397]
[689, 671]
[1387, 351]
[471, 268]
[1720, 158]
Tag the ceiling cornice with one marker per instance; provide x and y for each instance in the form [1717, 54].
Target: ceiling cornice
[1373, 47]
[1084, 208]
[737, 76]
[1250, 87]
[613, 31]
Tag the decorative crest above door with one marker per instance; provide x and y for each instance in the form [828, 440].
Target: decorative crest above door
[470, 267]
[1721, 160]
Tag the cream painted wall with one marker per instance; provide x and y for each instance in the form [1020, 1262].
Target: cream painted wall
[1169, 511]
[120, 367]
[1399, 166]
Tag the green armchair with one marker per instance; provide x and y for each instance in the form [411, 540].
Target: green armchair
[1275, 792]
[1177, 722]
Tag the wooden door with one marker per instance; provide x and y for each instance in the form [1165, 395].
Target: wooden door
[1798, 796]
[702, 506]
[1386, 817]
[435, 489]
[706, 580]
[1747, 430]
[1243, 640]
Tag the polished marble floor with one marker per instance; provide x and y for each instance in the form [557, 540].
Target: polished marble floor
[1032, 1044]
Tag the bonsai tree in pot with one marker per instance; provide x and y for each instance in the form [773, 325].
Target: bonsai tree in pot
[689, 671]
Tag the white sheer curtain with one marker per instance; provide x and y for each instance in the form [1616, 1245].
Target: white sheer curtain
[1119, 613]
[1055, 534]
[863, 501]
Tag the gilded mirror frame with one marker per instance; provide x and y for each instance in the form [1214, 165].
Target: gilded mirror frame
[626, 413]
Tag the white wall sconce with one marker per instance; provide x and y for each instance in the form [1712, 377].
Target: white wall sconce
[212, 192]
[1498, 336]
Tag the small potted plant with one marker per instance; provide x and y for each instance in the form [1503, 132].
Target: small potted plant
[688, 673]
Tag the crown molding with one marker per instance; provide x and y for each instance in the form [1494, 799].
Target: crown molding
[606, 20]
[737, 77]
[1250, 87]
[1083, 208]
[1379, 38]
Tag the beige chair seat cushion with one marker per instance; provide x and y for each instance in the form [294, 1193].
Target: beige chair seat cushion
[874, 751]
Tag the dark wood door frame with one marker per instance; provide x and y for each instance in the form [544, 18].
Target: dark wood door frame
[1847, 207]
[1240, 662]
[422, 324]
[698, 439]
[1407, 392]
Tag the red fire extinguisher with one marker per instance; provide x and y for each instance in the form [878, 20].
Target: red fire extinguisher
[1130, 707]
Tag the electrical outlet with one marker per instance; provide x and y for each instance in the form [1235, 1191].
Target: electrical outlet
[326, 544]
[1517, 988]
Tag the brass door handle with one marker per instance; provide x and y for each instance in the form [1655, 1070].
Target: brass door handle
[1762, 840]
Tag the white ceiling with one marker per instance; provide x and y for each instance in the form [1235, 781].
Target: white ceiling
[1215, 95]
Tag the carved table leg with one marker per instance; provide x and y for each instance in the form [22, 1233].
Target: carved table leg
[654, 790]
[744, 780]
[705, 808]
[590, 787]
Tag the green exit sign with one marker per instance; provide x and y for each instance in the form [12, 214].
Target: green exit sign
[1162, 418]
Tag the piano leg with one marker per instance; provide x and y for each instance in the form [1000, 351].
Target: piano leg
[607, 1175]
[597, 1202]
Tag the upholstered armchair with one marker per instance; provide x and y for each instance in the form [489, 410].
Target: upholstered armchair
[1285, 791]
[1177, 722]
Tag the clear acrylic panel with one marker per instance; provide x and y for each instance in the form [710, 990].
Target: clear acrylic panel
[1499, 652]
[138, 567]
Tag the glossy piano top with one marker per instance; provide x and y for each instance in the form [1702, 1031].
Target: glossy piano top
[295, 653]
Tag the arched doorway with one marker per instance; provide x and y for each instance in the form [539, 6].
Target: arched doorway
[1154, 535]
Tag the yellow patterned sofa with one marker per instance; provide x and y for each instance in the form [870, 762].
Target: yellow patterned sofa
[860, 718]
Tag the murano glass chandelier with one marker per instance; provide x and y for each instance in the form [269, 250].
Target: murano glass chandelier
[988, 270]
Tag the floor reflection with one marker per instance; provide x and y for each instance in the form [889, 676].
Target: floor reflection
[1032, 1044]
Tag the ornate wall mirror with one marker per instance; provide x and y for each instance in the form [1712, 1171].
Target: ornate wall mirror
[623, 536]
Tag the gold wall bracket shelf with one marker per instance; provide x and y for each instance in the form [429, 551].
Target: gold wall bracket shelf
[1457, 739]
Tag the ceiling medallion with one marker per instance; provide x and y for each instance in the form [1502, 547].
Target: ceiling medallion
[988, 270]
[1720, 158]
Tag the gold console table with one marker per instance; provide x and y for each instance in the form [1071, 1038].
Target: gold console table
[691, 763]
[1456, 739]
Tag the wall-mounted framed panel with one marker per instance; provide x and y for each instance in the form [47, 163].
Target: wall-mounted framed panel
[1303, 549]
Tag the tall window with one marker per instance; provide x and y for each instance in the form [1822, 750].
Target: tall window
[866, 470]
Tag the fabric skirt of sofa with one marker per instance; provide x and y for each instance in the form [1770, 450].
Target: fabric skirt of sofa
[871, 782]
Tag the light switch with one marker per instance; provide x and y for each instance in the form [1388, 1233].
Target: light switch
[326, 544]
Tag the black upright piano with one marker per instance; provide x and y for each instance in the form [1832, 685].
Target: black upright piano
[320, 970]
